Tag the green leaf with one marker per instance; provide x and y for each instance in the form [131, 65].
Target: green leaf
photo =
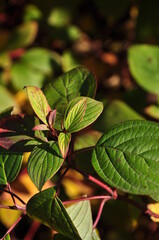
[81, 216]
[6, 99]
[95, 235]
[81, 112]
[126, 157]
[39, 59]
[7, 237]
[115, 112]
[6, 112]
[46, 208]
[59, 93]
[39, 103]
[143, 62]
[44, 161]
[10, 163]
[22, 36]
[64, 141]
[24, 75]
[152, 111]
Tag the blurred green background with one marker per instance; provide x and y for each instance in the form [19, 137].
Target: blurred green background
[39, 40]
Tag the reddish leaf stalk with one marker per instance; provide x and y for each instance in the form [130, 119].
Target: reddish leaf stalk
[100, 212]
[32, 231]
[87, 198]
[98, 182]
[12, 227]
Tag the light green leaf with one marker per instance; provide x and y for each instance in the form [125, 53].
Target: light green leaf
[23, 75]
[44, 161]
[6, 99]
[126, 157]
[152, 111]
[22, 36]
[81, 216]
[81, 112]
[75, 114]
[10, 163]
[39, 59]
[143, 62]
[46, 208]
[95, 235]
[38, 102]
[7, 237]
[64, 141]
[77, 82]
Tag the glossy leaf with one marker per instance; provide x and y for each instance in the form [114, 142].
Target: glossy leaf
[81, 112]
[77, 82]
[10, 163]
[39, 103]
[143, 62]
[64, 141]
[44, 161]
[46, 208]
[81, 216]
[126, 157]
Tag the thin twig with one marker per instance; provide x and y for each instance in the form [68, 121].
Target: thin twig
[14, 207]
[98, 182]
[61, 178]
[12, 227]
[100, 212]
[87, 198]
[13, 194]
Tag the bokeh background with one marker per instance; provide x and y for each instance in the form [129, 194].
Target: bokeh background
[39, 40]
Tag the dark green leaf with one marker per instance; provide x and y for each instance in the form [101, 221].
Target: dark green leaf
[126, 157]
[10, 163]
[77, 82]
[115, 112]
[46, 208]
[44, 161]
[143, 62]
[81, 216]
[81, 112]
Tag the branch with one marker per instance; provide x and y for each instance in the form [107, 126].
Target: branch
[97, 182]
[13, 195]
[14, 207]
[100, 212]
[12, 227]
[105, 197]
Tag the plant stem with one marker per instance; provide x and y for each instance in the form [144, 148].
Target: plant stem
[100, 212]
[98, 182]
[105, 197]
[14, 207]
[32, 231]
[13, 194]
[12, 227]
[60, 180]
[10, 190]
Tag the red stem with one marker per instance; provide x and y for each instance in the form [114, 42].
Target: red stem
[12, 227]
[15, 207]
[87, 198]
[100, 212]
[98, 182]
[32, 231]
